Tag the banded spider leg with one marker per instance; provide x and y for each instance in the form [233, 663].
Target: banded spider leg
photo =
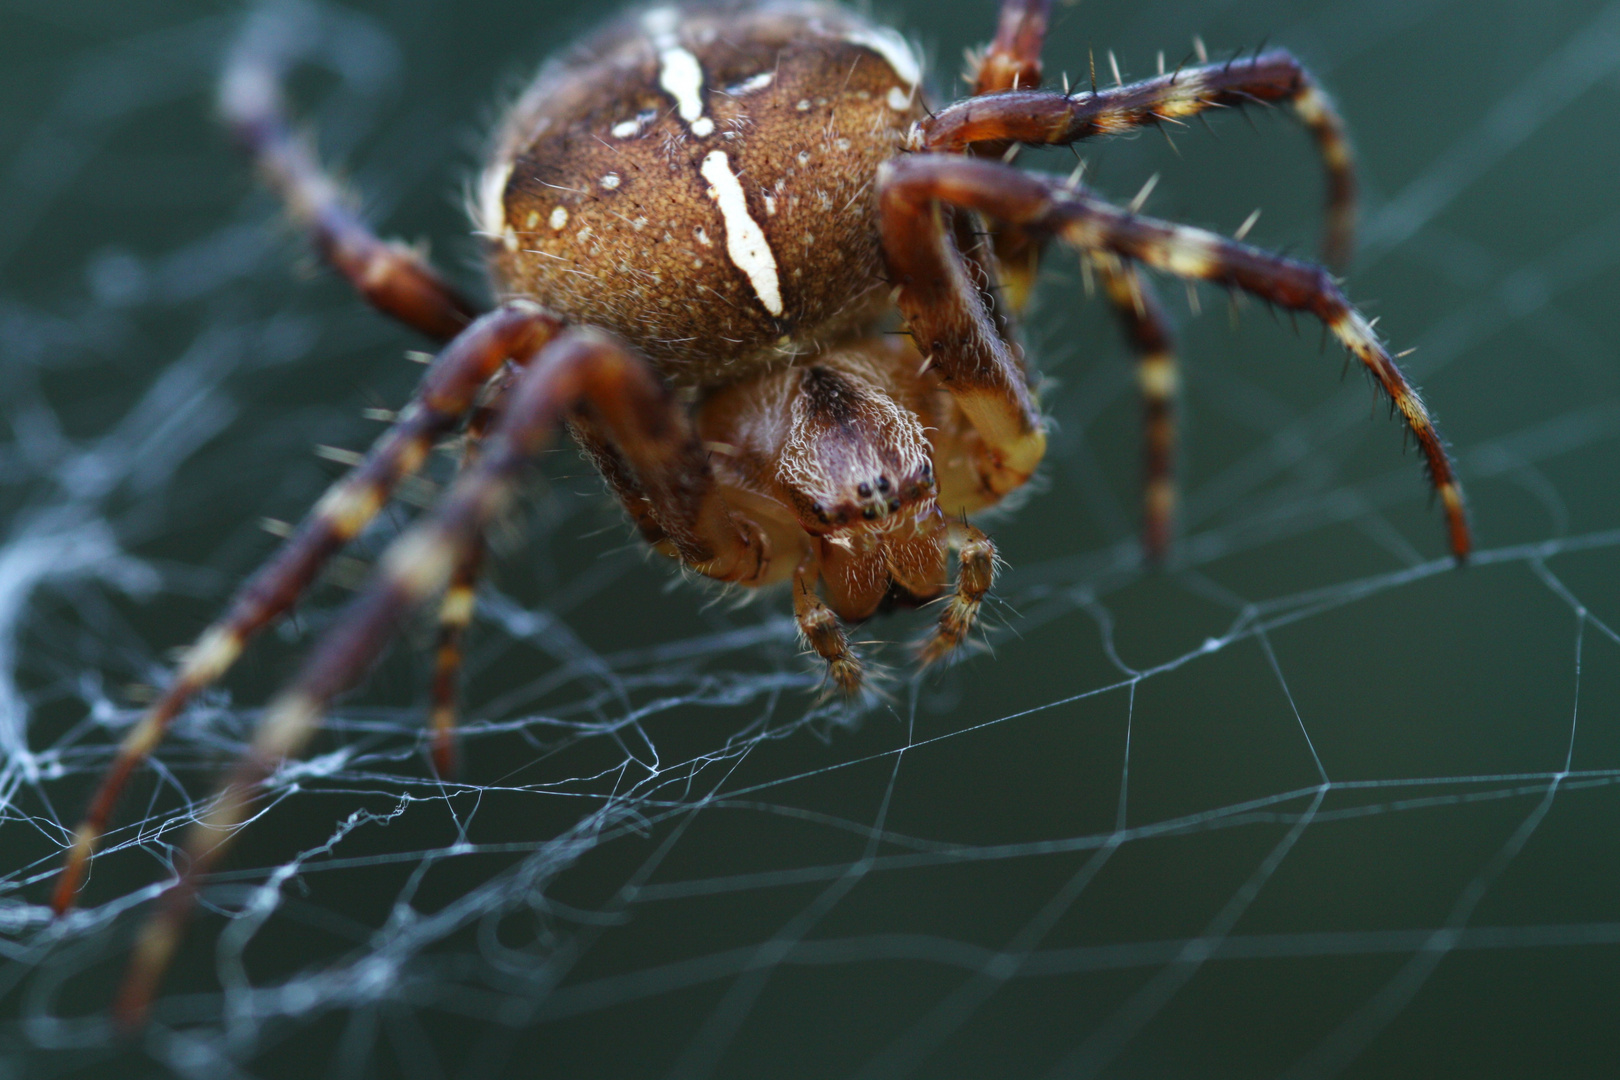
[578, 369]
[948, 325]
[396, 280]
[1016, 112]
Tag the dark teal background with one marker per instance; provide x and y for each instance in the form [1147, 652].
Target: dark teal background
[1305, 803]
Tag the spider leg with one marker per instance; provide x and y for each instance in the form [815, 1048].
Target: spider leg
[447, 391]
[821, 631]
[455, 614]
[1012, 62]
[1042, 117]
[958, 336]
[391, 276]
[1148, 332]
[910, 187]
[578, 370]
[456, 607]
[975, 574]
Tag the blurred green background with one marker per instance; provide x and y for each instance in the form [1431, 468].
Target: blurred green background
[1306, 802]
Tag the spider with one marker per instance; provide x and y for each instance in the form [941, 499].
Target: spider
[702, 224]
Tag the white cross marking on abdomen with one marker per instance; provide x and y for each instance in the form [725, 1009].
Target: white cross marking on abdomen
[679, 72]
[745, 240]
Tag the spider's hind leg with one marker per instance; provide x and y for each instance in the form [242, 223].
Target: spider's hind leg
[579, 371]
[446, 393]
[391, 276]
[457, 606]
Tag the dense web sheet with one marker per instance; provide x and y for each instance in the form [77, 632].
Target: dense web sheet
[1308, 802]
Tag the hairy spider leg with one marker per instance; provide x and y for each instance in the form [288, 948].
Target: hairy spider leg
[448, 389]
[455, 615]
[975, 576]
[962, 342]
[1011, 62]
[579, 369]
[1044, 118]
[460, 599]
[958, 335]
[821, 631]
[1147, 331]
[1016, 56]
[1091, 224]
[393, 277]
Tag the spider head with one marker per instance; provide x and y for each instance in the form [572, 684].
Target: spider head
[855, 460]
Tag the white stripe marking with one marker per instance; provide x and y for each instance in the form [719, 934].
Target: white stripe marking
[748, 86]
[679, 73]
[492, 198]
[745, 240]
[892, 47]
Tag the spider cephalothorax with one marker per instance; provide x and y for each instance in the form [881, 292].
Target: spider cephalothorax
[771, 295]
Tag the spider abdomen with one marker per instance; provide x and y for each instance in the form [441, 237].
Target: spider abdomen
[700, 181]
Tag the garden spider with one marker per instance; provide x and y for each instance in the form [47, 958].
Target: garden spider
[701, 224]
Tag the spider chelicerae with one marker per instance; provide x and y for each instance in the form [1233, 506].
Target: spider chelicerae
[704, 225]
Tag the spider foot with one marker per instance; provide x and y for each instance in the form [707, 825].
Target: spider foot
[819, 628]
[846, 677]
[976, 573]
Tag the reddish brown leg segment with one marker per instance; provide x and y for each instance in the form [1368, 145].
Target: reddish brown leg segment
[1090, 224]
[1013, 62]
[951, 327]
[446, 393]
[580, 370]
[976, 573]
[1032, 116]
[455, 615]
[1148, 333]
[391, 276]
[456, 611]
[820, 629]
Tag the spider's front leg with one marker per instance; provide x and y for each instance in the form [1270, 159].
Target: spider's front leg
[1012, 62]
[945, 325]
[958, 337]
[975, 575]
[819, 628]
[578, 371]
[446, 393]
[391, 276]
[1044, 118]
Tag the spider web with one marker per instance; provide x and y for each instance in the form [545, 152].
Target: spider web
[1307, 802]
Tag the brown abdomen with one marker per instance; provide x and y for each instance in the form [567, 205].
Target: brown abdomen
[700, 182]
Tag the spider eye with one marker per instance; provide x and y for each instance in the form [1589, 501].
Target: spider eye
[883, 484]
[870, 513]
[864, 490]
